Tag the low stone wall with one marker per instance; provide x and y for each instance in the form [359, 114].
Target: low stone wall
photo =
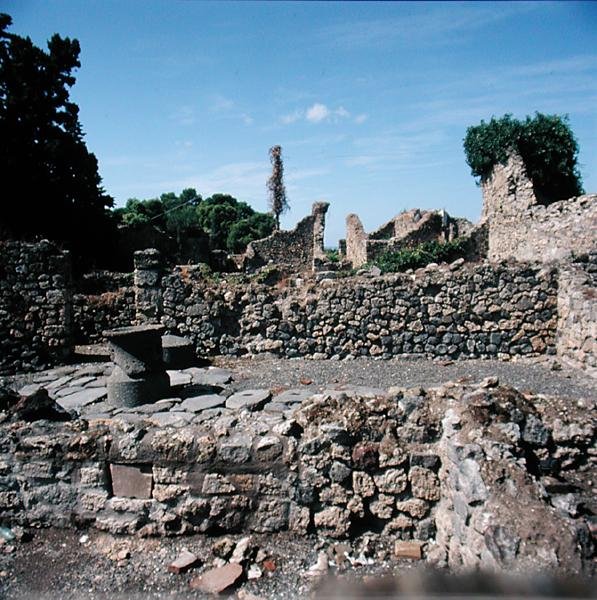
[482, 311]
[577, 314]
[423, 468]
[260, 473]
[521, 228]
[35, 305]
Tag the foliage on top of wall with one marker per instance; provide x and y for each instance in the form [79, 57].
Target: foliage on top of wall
[422, 255]
[546, 144]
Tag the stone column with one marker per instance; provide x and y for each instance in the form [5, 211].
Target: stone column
[139, 376]
[318, 212]
[147, 281]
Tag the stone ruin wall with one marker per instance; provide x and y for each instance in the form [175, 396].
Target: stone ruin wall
[483, 311]
[35, 306]
[521, 228]
[422, 467]
[577, 314]
[296, 249]
[406, 230]
[102, 300]
[458, 312]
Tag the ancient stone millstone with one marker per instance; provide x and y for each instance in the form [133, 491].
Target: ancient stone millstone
[139, 376]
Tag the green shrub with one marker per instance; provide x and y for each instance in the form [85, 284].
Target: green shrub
[421, 255]
[332, 255]
[545, 143]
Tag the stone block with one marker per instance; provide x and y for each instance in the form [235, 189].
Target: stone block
[184, 561]
[249, 399]
[236, 449]
[199, 403]
[408, 549]
[424, 483]
[392, 481]
[130, 481]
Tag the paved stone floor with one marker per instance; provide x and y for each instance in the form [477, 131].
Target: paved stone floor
[277, 386]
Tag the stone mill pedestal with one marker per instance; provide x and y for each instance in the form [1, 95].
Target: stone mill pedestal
[139, 376]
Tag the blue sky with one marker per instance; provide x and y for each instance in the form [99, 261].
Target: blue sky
[369, 101]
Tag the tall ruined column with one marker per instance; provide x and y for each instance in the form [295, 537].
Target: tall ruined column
[508, 196]
[318, 212]
[147, 281]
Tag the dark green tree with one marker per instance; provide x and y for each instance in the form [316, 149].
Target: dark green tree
[232, 224]
[242, 232]
[43, 150]
[545, 143]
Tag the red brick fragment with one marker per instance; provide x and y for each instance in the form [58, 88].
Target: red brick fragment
[217, 580]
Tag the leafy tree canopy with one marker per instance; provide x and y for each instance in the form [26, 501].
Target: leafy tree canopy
[230, 224]
[43, 150]
[546, 144]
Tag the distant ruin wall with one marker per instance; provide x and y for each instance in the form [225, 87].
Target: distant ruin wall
[485, 311]
[521, 228]
[471, 311]
[356, 241]
[406, 230]
[577, 315]
[296, 249]
[35, 305]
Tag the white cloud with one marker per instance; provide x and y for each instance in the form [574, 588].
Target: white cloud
[221, 104]
[292, 117]
[361, 118]
[320, 112]
[317, 113]
[341, 113]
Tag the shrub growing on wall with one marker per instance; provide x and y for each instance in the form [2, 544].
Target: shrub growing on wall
[545, 143]
[422, 255]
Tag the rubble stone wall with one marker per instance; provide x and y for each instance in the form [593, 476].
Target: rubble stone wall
[424, 468]
[102, 300]
[481, 311]
[94, 313]
[35, 305]
[295, 249]
[295, 475]
[520, 521]
[521, 228]
[577, 314]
